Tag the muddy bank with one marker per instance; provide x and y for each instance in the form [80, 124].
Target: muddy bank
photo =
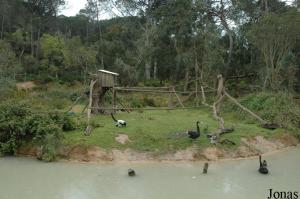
[248, 148]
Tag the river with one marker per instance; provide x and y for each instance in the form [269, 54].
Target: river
[25, 178]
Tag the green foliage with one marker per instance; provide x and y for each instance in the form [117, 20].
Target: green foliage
[278, 108]
[52, 50]
[8, 62]
[6, 88]
[148, 101]
[276, 36]
[63, 120]
[18, 124]
[48, 149]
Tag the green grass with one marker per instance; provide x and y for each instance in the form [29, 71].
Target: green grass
[154, 131]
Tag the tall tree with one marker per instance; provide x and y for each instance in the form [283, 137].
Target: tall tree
[275, 36]
[222, 10]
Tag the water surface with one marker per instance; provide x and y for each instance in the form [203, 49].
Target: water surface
[23, 178]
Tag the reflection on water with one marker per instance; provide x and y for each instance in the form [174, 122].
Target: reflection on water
[22, 178]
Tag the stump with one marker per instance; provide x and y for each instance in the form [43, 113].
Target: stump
[205, 168]
[131, 172]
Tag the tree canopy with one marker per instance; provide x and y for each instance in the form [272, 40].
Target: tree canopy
[154, 40]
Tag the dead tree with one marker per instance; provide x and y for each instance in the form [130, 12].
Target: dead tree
[217, 104]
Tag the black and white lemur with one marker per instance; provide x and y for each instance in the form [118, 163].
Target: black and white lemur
[119, 123]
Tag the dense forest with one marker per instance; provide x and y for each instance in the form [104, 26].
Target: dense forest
[255, 41]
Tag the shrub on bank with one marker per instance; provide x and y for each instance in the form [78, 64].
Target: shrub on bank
[18, 125]
[279, 108]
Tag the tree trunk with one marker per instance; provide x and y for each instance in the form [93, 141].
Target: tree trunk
[266, 6]
[87, 32]
[155, 69]
[147, 70]
[197, 78]
[31, 37]
[222, 16]
[100, 35]
[2, 27]
[187, 77]
[38, 42]
[230, 36]
[21, 54]
[230, 47]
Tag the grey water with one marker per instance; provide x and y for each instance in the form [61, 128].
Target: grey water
[23, 178]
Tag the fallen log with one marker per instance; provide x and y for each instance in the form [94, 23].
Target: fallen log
[245, 109]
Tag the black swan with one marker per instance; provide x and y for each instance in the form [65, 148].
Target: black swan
[119, 123]
[194, 134]
[263, 166]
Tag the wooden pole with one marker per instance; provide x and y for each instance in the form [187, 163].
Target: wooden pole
[157, 91]
[170, 98]
[75, 103]
[179, 100]
[146, 109]
[89, 112]
[85, 107]
[114, 97]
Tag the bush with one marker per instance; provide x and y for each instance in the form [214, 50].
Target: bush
[148, 101]
[12, 127]
[63, 120]
[48, 152]
[18, 124]
[277, 108]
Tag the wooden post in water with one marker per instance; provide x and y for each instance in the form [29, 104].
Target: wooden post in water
[205, 168]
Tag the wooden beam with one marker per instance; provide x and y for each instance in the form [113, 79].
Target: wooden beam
[157, 91]
[75, 102]
[245, 109]
[204, 98]
[149, 109]
[179, 100]
[144, 88]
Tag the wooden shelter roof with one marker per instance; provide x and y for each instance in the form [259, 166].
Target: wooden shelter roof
[108, 72]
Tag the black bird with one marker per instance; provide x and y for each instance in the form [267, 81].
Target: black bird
[263, 166]
[194, 134]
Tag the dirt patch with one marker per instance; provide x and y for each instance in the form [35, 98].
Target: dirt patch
[27, 151]
[85, 154]
[25, 85]
[212, 153]
[122, 138]
[288, 140]
[261, 144]
[131, 155]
